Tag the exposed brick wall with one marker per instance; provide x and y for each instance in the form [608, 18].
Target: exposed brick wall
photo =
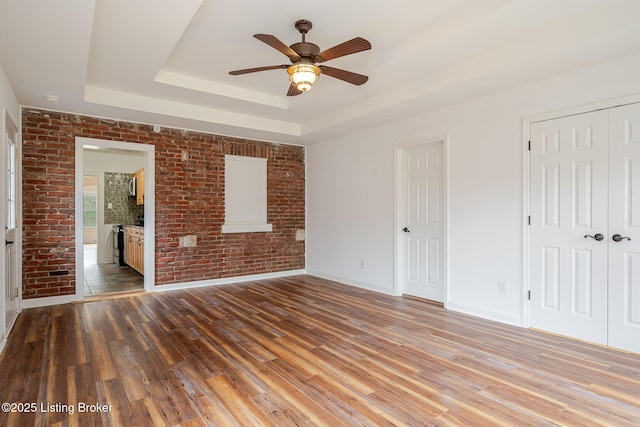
[189, 200]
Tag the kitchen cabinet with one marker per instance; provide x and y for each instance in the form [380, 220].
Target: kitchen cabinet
[139, 179]
[134, 248]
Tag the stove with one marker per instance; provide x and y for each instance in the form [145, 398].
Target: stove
[118, 245]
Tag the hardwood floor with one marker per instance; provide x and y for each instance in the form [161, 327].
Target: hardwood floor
[302, 351]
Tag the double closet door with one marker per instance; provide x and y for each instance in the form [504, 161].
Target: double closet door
[585, 226]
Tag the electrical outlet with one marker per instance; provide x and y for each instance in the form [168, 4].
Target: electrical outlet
[502, 287]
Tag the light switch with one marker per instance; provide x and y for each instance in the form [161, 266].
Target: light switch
[109, 205]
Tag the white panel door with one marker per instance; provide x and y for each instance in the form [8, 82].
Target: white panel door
[423, 222]
[569, 175]
[624, 251]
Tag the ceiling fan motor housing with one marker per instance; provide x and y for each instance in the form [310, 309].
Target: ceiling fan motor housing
[305, 50]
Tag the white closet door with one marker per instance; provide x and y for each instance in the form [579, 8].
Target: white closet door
[624, 255]
[569, 200]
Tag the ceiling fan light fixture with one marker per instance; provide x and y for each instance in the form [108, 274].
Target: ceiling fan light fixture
[303, 75]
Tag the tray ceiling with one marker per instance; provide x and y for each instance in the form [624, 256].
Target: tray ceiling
[166, 62]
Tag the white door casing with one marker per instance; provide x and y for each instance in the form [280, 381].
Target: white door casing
[422, 215]
[569, 201]
[624, 218]
[149, 211]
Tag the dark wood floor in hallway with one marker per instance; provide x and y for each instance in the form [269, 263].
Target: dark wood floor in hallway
[301, 351]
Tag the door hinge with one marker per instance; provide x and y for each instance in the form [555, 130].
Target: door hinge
[529, 220]
[529, 145]
[529, 295]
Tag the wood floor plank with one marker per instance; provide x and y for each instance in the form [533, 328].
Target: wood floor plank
[147, 413]
[76, 347]
[82, 388]
[130, 372]
[361, 404]
[279, 389]
[132, 335]
[102, 362]
[210, 409]
[166, 388]
[280, 410]
[303, 351]
[241, 406]
[112, 392]
[162, 342]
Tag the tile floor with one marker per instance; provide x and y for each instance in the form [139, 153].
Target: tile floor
[107, 278]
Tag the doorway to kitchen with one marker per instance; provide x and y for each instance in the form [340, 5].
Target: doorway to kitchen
[108, 273]
[114, 206]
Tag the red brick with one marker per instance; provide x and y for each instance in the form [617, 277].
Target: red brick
[189, 200]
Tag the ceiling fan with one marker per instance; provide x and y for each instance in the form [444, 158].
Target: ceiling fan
[304, 56]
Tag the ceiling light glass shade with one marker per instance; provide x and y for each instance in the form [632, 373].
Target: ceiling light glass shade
[303, 75]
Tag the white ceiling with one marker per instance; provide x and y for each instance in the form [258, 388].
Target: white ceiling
[166, 62]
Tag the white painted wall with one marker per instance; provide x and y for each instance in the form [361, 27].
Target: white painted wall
[8, 105]
[351, 192]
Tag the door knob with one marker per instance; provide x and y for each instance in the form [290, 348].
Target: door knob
[406, 230]
[599, 237]
[8, 242]
[619, 238]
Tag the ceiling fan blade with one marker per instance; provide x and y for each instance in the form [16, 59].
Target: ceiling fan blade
[347, 48]
[293, 91]
[347, 76]
[253, 70]
[275, 43]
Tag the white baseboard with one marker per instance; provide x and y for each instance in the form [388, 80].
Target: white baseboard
[462, 308]
[349, 282]
[485, 314]
[66, 299]
[453, 306]
[47, 301]
[228, 280]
